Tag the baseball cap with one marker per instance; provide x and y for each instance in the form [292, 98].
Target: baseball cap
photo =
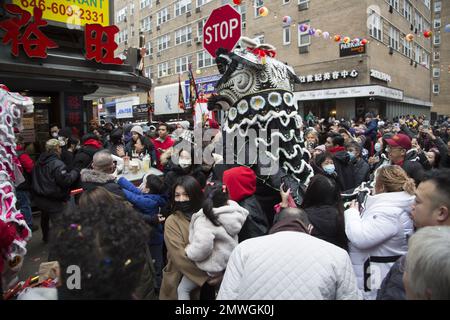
[400, 140]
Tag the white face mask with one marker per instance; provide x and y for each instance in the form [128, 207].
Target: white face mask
[184, 163]
[377, 147]
[54, 134]
[62, 141]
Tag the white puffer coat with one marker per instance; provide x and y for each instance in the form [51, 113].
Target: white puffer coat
[378, 237]
[210, 246]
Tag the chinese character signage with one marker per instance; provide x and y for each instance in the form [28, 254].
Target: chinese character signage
[329, 76]
[74, 111]
[70, 12]
[351, 49]
[23, 30]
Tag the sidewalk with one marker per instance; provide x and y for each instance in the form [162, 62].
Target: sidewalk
[37, 252]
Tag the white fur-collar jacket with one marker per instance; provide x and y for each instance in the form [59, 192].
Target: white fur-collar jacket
[210, 246]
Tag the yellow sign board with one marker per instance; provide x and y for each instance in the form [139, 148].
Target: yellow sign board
[70, 12]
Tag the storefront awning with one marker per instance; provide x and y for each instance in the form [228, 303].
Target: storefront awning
[350, 92]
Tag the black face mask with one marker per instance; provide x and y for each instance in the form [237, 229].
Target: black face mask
[185, 207]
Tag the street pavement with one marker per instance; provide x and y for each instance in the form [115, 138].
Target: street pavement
[37, 252]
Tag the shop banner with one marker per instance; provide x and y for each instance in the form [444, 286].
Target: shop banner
[124, 107]
[70, 12]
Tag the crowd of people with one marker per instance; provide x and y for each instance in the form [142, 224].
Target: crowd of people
[374, 222]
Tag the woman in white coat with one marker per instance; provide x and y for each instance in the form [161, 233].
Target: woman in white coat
[378, 236]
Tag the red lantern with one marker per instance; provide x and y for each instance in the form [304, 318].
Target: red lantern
[364, 41]
[337, 38]
[237, 2]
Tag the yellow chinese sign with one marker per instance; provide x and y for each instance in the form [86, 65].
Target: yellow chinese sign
[70, 12]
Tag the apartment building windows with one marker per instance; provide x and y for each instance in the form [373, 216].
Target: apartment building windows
[436, 72]
[163, 69]
[426, 59]
[146, 24]
[259, 39]
[407, 11]
[202, 2]
[243, 11]
[407, 48]
[304, 39]
[286, 35]
[375, 26]
[437, 23]
[149, 48]
[183, 35]
[121, 15]
[132, 8]
[145, 3]
[394, 38]
[437, 39]
[418, 22]
[204, 59]
[418, 54]
[285, 1]
[436, 55]
[163, 42]
[182, 6]
[163, 16]
[394, 4]
[436, 88]
[182, 64]
[437, 6]
[257, 4]
[427, 3]
[200, 25]
[123, 36]
[148, 72]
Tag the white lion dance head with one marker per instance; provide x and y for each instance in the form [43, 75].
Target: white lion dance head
[14, 230]
[256, 92]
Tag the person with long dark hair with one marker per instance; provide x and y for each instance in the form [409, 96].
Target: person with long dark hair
[186, 199]
[325, 210]
[213, 234]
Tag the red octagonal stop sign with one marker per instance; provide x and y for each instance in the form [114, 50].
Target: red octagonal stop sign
[222, 29]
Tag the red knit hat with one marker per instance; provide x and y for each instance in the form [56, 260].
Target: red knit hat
[240, 182]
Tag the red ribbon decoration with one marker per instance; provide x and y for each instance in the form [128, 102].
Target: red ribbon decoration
[263, 53]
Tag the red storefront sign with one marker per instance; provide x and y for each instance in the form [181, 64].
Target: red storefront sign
[35, 43]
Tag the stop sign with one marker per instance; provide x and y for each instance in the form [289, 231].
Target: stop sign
[222, 29]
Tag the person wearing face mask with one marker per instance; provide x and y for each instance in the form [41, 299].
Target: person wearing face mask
[63, 136]
[187, 199]
[51, 184]
[361, 167]
[343, 166]
[324, 164]
[378, 234]
[54, 131]
[181, 164]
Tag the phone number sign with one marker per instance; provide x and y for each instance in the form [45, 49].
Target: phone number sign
[70, 12]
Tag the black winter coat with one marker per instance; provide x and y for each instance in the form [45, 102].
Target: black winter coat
[92, 178]
[327, 225]
[51, 179]
[392, 286]
[84, 156]
[345, 171]
[362, 171]
[256, 224]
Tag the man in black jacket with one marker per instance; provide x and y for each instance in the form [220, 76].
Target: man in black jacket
[101, 175]
[51, 183]
[90, 145]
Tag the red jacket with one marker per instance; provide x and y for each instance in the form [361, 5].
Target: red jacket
[25, 161]
[166, 144]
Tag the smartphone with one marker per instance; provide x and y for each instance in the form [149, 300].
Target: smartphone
[283, 182]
